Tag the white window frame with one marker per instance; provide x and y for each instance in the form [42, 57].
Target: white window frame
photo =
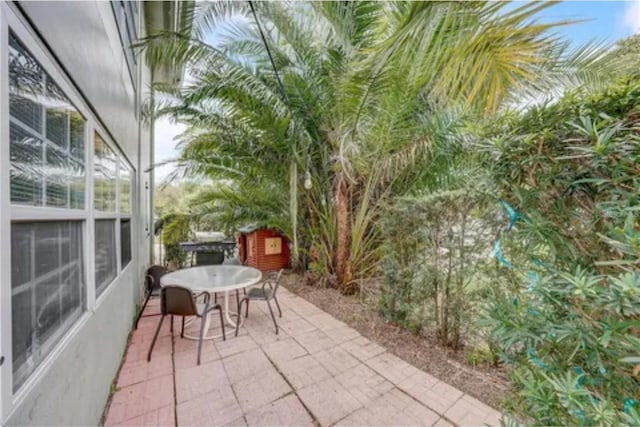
[11, 20]
[97, 214]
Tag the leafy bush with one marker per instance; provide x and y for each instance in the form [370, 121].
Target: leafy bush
[438, 261]
[567, 338]
[569, 167]
[177, 228]
[570, 329]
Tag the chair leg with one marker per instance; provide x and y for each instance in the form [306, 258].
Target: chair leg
[224, 335]
[272, 316]
[238, 296]
[277, 305]
[240, 314]
[246, 313]
[155, 337]
[202, 322]
[182, 330]
[215, 297]
[144, 305]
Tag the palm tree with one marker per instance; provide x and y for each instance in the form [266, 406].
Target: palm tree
[356, 94]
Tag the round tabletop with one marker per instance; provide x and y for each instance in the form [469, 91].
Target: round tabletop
[213, 278]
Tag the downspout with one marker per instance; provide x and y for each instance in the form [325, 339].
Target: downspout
[152, 173]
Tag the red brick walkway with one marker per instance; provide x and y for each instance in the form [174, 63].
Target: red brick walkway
[316, 371]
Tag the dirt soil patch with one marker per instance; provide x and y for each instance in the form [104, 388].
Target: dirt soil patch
[485, 383]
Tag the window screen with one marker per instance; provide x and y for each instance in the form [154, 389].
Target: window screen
[47, 289]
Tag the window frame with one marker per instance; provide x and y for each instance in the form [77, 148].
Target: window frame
[12, 21]
[116, 215]
[97, 215]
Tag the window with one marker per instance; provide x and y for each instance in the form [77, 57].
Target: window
[105, 247]
[47, 170]
[48, 162]
[47, 137]
[112, 205]
[105, 183]
[47, 289]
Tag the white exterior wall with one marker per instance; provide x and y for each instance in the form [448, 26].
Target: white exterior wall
[78, 43]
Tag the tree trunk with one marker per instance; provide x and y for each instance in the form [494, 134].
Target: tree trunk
[447, 297]
[343, 266]
[293, 211]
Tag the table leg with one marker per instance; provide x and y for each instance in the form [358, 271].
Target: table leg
[227, 315]
[207, 323]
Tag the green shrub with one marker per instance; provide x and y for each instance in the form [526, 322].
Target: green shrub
[437, 261]
[177, 229]
[569, 168]
[570, 328]
[567, 337]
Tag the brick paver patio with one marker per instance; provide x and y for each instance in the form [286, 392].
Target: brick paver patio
[317, 371]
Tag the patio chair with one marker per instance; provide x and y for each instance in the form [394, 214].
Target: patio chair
[266, 292]
[152, 286]
[180, 301]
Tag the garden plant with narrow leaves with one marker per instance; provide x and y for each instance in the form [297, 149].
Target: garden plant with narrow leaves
[571, 330]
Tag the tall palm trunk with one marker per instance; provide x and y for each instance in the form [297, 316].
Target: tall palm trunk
[343, 266]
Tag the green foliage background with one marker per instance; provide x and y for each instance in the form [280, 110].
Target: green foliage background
[570, 329]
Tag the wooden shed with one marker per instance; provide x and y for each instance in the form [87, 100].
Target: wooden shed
[264, 249]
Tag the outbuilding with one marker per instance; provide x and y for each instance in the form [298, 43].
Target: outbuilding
[263, 248]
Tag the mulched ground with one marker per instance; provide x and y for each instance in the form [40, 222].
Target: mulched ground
[485, 383]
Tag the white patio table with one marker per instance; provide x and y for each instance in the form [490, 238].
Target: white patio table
[212, 279]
